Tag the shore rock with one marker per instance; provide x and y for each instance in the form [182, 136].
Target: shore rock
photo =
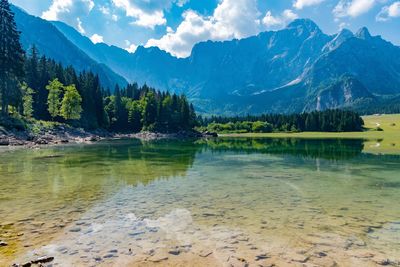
[64, 134]
[210, 134]
[4, 141]
[44, 259]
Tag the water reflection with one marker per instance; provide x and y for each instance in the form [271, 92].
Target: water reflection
[271, 191]
[332, 149]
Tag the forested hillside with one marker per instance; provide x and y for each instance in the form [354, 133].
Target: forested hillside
[35, 87]
[51, 42]
[316, 121]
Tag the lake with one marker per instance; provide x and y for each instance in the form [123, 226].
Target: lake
[222, 202]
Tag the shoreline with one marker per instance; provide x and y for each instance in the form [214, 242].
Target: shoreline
[67, 135]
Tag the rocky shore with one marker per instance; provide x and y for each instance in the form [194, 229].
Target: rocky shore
[63, 134]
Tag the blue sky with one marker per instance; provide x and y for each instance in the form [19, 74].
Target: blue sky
[176, 25]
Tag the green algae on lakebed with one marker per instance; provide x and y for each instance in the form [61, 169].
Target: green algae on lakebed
[291, 199]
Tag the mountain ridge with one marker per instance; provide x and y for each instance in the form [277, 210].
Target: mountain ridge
[54, 44]
[298, 68]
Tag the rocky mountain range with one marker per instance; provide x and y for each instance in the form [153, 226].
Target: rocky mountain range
[298, 68]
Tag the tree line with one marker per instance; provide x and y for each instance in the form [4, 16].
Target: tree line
[35, 87]
[334, 120]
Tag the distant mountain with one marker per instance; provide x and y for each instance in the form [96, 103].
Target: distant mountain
[295, 69]
[52, 43]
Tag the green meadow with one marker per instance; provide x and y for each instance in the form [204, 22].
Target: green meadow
[386, 141]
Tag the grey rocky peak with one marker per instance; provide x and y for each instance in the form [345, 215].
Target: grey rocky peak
[363, 33]
[338, 39]
[307, 24]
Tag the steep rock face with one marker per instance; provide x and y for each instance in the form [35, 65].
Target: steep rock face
[339, 39]
[373, 61]
[53, 44]
[345, 92]
[264, 62]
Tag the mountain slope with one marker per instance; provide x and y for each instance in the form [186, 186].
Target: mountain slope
[291, 70]
[117, 59]
[53, 44]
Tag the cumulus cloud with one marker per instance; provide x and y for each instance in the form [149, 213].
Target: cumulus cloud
[181, 3]
[143, 17]
[69, 11]
[97, 38]
[63, 9]
[231, 19]
[131, 48]
[300, 4]
[388, 12]
[353, 8]
[271, 21]
[148, 14]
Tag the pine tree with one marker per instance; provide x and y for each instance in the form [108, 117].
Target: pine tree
[32, 68]
[118, 108]
[27, 99]
[149, 113]
[11, 56]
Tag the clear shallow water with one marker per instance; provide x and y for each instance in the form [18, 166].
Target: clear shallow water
[203, 203]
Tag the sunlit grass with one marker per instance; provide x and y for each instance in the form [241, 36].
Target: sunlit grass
[386, 141]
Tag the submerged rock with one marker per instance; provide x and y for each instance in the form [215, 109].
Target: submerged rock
[159, 257]
[262, 257]
[43, 259]
[26, 264]
[175, 252]
[205, 253]
[75, 229]
[237, 262]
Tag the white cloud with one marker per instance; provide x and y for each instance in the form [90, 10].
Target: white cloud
[271, 21]
[231, 19]
[147, 13]
[97, 38]
[388, 12]
[69, 11]
[300, 4]
[59, 9]
[343, 25]
[145, 18]
[80, 26]
[353, 8]
[148, 20]
[114, 17]
[131, 48]
[105, 10]
[181, 3]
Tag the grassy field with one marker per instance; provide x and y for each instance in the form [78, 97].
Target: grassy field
[385, 142]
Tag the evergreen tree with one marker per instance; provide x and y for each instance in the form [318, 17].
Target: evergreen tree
[11, 57]
[32, 68]
[184, 113]
[27, 99]
[149, 113]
